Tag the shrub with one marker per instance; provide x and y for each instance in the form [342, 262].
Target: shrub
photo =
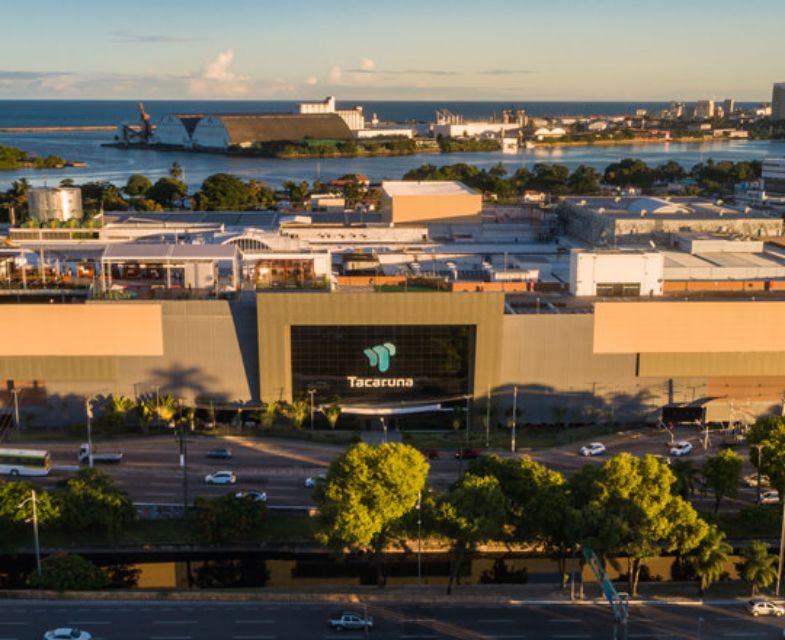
[64, 572]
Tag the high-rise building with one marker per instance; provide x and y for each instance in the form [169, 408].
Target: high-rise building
[728, 106]
[778, 101]
[704, 109]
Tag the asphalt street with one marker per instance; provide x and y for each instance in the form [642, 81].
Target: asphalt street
[150, 469]
[207, 620]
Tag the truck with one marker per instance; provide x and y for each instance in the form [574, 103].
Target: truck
[108, 457]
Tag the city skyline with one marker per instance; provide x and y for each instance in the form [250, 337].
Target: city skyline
[597, 51]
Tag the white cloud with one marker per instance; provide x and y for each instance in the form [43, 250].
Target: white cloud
[366, 64]
[216, 79]
[311, 81]
[336, 74]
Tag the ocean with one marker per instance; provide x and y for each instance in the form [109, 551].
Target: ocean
[115, 165]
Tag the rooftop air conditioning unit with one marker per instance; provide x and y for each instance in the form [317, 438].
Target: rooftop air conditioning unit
[617, 199]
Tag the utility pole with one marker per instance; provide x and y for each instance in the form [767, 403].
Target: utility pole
[34, 500]
[184, 466]
[514, 416]
[781, 554]
[89, 411]
[311, 393]
[468, 417]
[17, 423]
[488, 419]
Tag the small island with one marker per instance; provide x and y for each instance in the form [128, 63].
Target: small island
[12, 159]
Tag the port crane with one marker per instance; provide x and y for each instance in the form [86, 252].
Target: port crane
[138, 133]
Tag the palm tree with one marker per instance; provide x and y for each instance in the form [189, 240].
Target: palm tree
[268, 414]
[758, 567]
[332, 412]
[146, 414]
[711, 557]
[297, 412]
[167, 408]
[116, 410]
[176, 170]
[686, 478]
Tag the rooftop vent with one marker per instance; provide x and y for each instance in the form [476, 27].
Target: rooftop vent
[617, 199]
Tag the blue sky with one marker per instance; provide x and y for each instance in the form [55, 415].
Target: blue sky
[400, 49]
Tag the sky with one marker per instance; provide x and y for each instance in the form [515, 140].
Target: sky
[592, 50]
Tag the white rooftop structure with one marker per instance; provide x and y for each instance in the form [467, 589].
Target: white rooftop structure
[426, 188]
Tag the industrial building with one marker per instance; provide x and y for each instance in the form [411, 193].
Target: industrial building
[238, 309]
[416, 202]
[55, 203]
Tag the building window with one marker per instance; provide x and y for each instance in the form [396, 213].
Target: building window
[618, 289]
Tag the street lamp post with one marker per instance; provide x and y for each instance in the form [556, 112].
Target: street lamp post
[468, 418]
[514, 416]
[419, 538]
[34, 500]
[384, 428]
[311, 393]
[89, 413]
[758, 446]
[17, 422]
[488, 419]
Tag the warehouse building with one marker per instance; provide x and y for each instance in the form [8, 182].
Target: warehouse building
[406, 202]
[222, 131]
[177, 129]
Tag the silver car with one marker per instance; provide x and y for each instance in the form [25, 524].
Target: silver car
[764, 607]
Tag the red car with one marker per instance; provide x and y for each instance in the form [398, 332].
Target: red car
[467, 454]
[431, 454]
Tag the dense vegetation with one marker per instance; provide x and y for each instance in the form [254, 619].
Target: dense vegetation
[12, 158]
[383, 146]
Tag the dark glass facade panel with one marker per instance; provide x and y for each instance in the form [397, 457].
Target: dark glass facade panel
[372, 364]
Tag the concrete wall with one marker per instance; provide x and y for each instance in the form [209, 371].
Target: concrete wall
[209, 350]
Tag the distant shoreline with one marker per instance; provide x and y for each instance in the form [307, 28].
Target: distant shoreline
[55, 129]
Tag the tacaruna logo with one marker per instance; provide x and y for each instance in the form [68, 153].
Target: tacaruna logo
[379, 356]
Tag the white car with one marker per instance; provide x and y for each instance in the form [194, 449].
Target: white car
[752, 480]
[763, 607]
[769, 497]
[681, 448]
[592, 449]
[256, 496]
[221, 477]
[65, 633]
[310, 483]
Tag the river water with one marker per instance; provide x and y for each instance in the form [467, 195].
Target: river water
[115, 165]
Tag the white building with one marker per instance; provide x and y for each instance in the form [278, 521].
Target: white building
[544, 132]
[386, 132]
[616, 273]
[778, 101]
[55, 203]
[354, 118]
[480, 129]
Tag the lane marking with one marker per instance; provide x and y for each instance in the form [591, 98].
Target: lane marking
[13, 623]
[254, 621]
[174, 621]
[497, 621]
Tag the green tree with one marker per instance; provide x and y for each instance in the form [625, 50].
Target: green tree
[92, 501]
[367, 493]
[770, 433]
[297, 192]
[671, 171]
[630, 172]
[229, 518]
[65, 572]
[759, 566]
[13, 517]
[268, 414]
[225, 192]
[166, 191]
[631, 511]
[710, 558]
[137, 185]
[722, 474]
[584, 181]
[471, 513]
[686, 476]
[551, 178]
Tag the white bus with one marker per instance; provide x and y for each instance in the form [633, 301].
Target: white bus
[25, 462]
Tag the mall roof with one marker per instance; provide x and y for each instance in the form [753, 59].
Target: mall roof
[395, 188]
[670, 207]
[166, 252]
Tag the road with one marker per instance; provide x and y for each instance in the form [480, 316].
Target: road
[153, 620]
[150, 470]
